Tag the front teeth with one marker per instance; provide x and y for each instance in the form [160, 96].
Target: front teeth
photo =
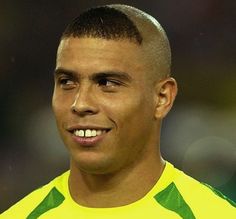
[88, 133]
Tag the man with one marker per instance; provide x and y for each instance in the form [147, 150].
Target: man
[112, 90]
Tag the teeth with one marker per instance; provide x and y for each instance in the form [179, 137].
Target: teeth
[93, 133]
[99, 132]
[88, 133]
[81, 133]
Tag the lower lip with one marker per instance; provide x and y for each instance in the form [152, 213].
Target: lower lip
[91, 141]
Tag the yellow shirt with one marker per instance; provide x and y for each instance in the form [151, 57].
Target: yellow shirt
[174, 196]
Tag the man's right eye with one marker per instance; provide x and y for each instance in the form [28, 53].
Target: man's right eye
[66, 83]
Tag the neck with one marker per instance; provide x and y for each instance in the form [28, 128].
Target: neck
[118, 188]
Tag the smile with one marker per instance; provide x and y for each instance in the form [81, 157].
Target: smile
[88, 133]
[88, 136]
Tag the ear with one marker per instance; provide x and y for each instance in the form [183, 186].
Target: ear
[166, 91]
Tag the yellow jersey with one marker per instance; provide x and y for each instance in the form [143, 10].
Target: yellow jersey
[175, 196]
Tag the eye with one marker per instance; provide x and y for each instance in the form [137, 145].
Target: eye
[105, 82]
[66, 83]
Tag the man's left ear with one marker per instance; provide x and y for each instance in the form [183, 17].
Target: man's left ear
[166, 91]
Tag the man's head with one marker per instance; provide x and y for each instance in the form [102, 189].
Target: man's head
[112, 85]
[116, 22]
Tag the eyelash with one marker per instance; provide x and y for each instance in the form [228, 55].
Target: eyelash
[68, 83]
[106, 80]
[63, 82]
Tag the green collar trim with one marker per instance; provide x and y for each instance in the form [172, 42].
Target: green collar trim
[171, 199]
[53, 199]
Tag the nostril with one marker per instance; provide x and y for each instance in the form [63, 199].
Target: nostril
[84, 106]
[83, 111]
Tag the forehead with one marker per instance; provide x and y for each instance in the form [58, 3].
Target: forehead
[89, 53]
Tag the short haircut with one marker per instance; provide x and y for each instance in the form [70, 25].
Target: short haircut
[103, 22]
[123, 22]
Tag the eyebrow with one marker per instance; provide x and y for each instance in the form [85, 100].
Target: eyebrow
[114, 74]
[96, 76]
[61, 71]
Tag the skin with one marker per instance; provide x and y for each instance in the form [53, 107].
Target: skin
[131, 106]
[155, 43]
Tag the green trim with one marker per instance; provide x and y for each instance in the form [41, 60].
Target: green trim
[53, 199]
[171, 199]
[221, 195]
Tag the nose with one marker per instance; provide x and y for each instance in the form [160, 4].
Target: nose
[84, 102]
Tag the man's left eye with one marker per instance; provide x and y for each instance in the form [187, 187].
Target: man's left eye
[108, 82]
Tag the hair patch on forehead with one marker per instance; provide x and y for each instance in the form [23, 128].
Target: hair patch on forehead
[103, 22]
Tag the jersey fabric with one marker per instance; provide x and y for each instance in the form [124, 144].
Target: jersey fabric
[175, 196]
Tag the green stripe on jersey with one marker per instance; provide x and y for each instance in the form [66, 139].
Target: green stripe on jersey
[221, 195]
[171, 199]
[53, 199]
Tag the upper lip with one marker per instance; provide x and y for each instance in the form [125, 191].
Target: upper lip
[84, 127]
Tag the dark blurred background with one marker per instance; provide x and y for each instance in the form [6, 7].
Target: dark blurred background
[199, 133]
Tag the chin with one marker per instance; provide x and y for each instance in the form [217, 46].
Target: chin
[91, 164]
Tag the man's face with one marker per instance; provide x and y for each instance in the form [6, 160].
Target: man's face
[104, 103]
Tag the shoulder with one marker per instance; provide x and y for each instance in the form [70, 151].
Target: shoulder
[53, 192]
[203, 199]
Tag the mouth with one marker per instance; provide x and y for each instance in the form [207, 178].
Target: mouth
[88, 136]
[89, 133]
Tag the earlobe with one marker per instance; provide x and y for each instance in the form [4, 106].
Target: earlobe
[166, 91]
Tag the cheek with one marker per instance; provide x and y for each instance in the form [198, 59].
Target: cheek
[129, 111]
[56, 106]
[60, 106]
[60, 110]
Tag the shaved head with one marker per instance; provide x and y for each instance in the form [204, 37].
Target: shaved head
[155, 42]
[120, 22]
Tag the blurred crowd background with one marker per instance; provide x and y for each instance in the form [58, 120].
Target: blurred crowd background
[199, 133]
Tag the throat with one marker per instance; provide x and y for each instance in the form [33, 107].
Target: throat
[113, 190]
